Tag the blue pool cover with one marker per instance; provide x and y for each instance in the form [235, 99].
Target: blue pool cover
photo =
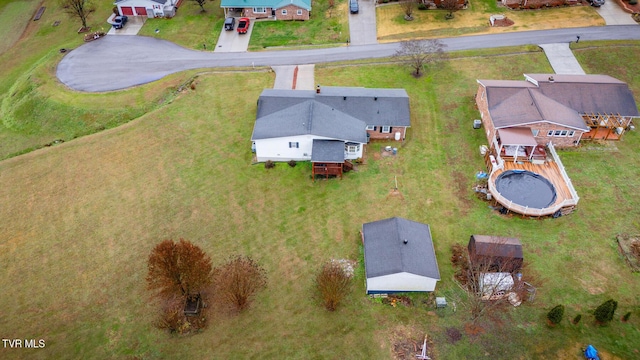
[526, 188]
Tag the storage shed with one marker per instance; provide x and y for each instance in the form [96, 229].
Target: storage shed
[495, 253]
[399, 257]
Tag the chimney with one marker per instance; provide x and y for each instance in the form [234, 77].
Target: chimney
[318, 89]
[551, 79]
[405, 241]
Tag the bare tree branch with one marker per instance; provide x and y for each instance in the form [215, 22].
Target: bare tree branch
[418, 53]
[78, 8]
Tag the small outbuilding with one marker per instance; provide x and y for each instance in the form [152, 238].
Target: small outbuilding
[495, 253]
[399, 257]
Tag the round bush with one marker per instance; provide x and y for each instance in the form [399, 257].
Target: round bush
[555, 314]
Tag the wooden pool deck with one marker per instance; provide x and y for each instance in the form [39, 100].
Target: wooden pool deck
[551, 169]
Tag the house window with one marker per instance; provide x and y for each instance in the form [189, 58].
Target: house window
[299, 12]
[571, 133]
[535, 132]
[557, 133]
[259, 10]
[550, 133]
[294, 145]
[385, 129]
[284, 12]
[371, 127]
[352, 147]
[564, 133]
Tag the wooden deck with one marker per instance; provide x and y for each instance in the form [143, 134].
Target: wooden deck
[550, 171]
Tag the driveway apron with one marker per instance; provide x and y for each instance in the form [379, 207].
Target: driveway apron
[362, 26]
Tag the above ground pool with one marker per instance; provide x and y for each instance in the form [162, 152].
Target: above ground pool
[526, 188]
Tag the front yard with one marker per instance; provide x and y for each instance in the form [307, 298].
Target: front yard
[475, 20]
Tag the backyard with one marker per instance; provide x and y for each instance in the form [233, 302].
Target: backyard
[90, 211]
[166, 160]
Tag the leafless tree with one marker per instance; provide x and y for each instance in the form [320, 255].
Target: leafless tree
[237, 281]
[201, 4]
[488, 278]
[78, 8]
[451, 6]
[333, 283]
[418, 53]
[408, 6]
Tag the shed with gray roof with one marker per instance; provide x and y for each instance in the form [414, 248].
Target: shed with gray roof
[399, 256]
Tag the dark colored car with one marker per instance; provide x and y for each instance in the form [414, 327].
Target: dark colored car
[229, 23]
[353, 6]
[596, 3]
[119, 21]
[243, 25]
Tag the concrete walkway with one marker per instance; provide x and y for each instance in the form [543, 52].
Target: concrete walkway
[296, 77]
[614, 15]
[561, 59]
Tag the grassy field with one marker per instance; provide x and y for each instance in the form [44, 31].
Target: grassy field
[79, 219]
[475, 20]
[14, 17]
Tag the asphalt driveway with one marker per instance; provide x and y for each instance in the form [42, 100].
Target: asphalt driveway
[125, 61]
[362, 26]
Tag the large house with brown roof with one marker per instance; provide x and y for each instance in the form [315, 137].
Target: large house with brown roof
[561, 109]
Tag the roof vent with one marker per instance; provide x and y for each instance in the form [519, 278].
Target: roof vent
[551, 79]
[344, 98]
[405, 241]
[375, 98]
[318, 89]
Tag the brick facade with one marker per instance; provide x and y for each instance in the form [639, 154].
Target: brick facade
[378, 135]
[542, 138]
[291, 13]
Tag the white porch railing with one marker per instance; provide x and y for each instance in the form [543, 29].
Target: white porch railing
[556, 158]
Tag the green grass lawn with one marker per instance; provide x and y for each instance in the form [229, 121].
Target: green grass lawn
[326, 26]
[14, 17]
[79, 219]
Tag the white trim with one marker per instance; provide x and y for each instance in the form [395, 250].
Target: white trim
[255, 10]
[386, 130]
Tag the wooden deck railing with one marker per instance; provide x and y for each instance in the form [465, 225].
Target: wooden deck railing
[525, 210]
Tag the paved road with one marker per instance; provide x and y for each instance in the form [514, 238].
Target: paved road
[119, 62]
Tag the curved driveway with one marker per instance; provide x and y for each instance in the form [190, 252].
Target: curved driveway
[119, 62]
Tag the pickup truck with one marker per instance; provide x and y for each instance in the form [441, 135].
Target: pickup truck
[243, 25]
[119, 21]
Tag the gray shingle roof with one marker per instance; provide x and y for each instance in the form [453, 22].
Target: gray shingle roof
[386, 253]
[560, 101]
[527, 106]
[308, 118]
[376, 107]
[327, 151]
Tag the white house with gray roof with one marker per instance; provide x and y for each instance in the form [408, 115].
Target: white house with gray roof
[399, 256]
[290, 123]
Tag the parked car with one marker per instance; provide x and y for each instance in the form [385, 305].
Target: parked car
[119, 21]
[596, 3]
[243, 25]
[353, 6]
[229, 23]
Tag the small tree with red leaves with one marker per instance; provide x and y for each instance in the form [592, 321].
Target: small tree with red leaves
[236, 282]
[178, 269]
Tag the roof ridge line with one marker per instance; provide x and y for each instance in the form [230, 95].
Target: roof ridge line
[310, 119]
